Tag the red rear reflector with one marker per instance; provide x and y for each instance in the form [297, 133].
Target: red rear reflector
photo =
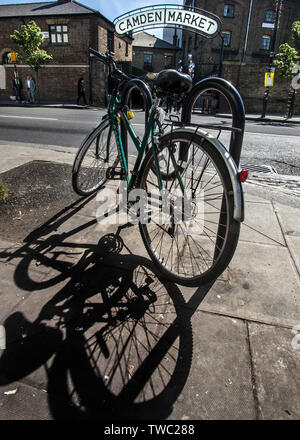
[243, 175]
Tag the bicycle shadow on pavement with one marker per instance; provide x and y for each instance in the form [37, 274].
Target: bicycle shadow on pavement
[114, 340]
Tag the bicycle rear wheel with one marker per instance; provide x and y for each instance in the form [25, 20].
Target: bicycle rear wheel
[97, 153]
[192, 238]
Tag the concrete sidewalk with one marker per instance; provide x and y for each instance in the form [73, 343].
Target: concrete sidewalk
[48, 104]
[228, 351]
[268, 118]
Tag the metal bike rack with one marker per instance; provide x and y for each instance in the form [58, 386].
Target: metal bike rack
[237, 131]
[237, 108]
[126, 90]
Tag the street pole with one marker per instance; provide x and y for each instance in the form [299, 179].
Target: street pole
[221, 56]
[91, 77]
[247, 31]
[272, 56]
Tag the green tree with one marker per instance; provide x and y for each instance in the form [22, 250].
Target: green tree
[29, 38]
[288, 60]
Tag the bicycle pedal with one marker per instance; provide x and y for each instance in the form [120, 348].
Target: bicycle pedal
[116, 174]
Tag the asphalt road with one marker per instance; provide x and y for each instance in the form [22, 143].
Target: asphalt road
[275, 143]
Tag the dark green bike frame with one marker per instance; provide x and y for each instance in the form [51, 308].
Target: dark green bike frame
[116, 112]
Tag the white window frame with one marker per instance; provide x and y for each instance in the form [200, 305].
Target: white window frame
[146, 62]
[228, 11]
[269, 11]
[59, 33]
[225, 34]
[263, 39]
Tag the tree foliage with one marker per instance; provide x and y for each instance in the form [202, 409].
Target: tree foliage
[296, 35]
[289, 57]
[29, 38]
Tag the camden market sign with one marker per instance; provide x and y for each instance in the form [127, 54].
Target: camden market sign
[192, 19]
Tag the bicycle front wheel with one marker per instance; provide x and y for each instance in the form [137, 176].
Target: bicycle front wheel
[190, 234]
[97, 153]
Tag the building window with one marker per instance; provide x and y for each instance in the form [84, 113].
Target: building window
[266, 42]
[196, 41]
[110, 41]
[190, 3]
[229, 11]
[59, 34]
[127, 50]
[168, 60]
[270, 17]
[227, 38]
[190, 43]
[147, 61]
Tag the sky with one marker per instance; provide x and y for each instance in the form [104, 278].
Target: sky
[111, 8]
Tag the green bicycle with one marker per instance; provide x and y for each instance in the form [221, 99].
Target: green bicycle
[192, 191]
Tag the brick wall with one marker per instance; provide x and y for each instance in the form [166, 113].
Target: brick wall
[74, 52]
[249, 80]
[206, 53]
[72, 59]
[55, 83]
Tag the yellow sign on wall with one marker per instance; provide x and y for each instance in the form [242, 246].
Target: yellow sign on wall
[269, 79]
[12, 57]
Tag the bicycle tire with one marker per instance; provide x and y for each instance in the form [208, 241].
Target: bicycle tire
[95, 145]
[203, 245]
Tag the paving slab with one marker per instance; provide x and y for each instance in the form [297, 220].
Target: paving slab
[276, 371]
[294, 247]
[6, 249]
[219, 386]
[251, 198]
[29, 361]
[98, 205]
[12, 295]
[289, 222]
[129, 239]
[289, 218]
[274, 193]
[25, 403]
[261, 225]
[16, 154]
[264, 286]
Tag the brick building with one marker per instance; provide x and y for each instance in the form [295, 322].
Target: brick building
[151, 54]
[70, 28]
[247, 28]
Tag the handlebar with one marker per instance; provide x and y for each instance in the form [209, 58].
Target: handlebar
[105, 58]
[108, 59]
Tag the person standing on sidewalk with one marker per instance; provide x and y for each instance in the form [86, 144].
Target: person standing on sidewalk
[30, 88]
[17, 86]
[81, 91]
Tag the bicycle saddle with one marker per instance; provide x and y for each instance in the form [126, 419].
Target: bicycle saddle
[171, 81]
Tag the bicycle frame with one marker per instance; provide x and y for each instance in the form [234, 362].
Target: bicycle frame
[117, 108]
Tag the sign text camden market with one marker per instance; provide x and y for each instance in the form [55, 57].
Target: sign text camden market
[196, 20]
